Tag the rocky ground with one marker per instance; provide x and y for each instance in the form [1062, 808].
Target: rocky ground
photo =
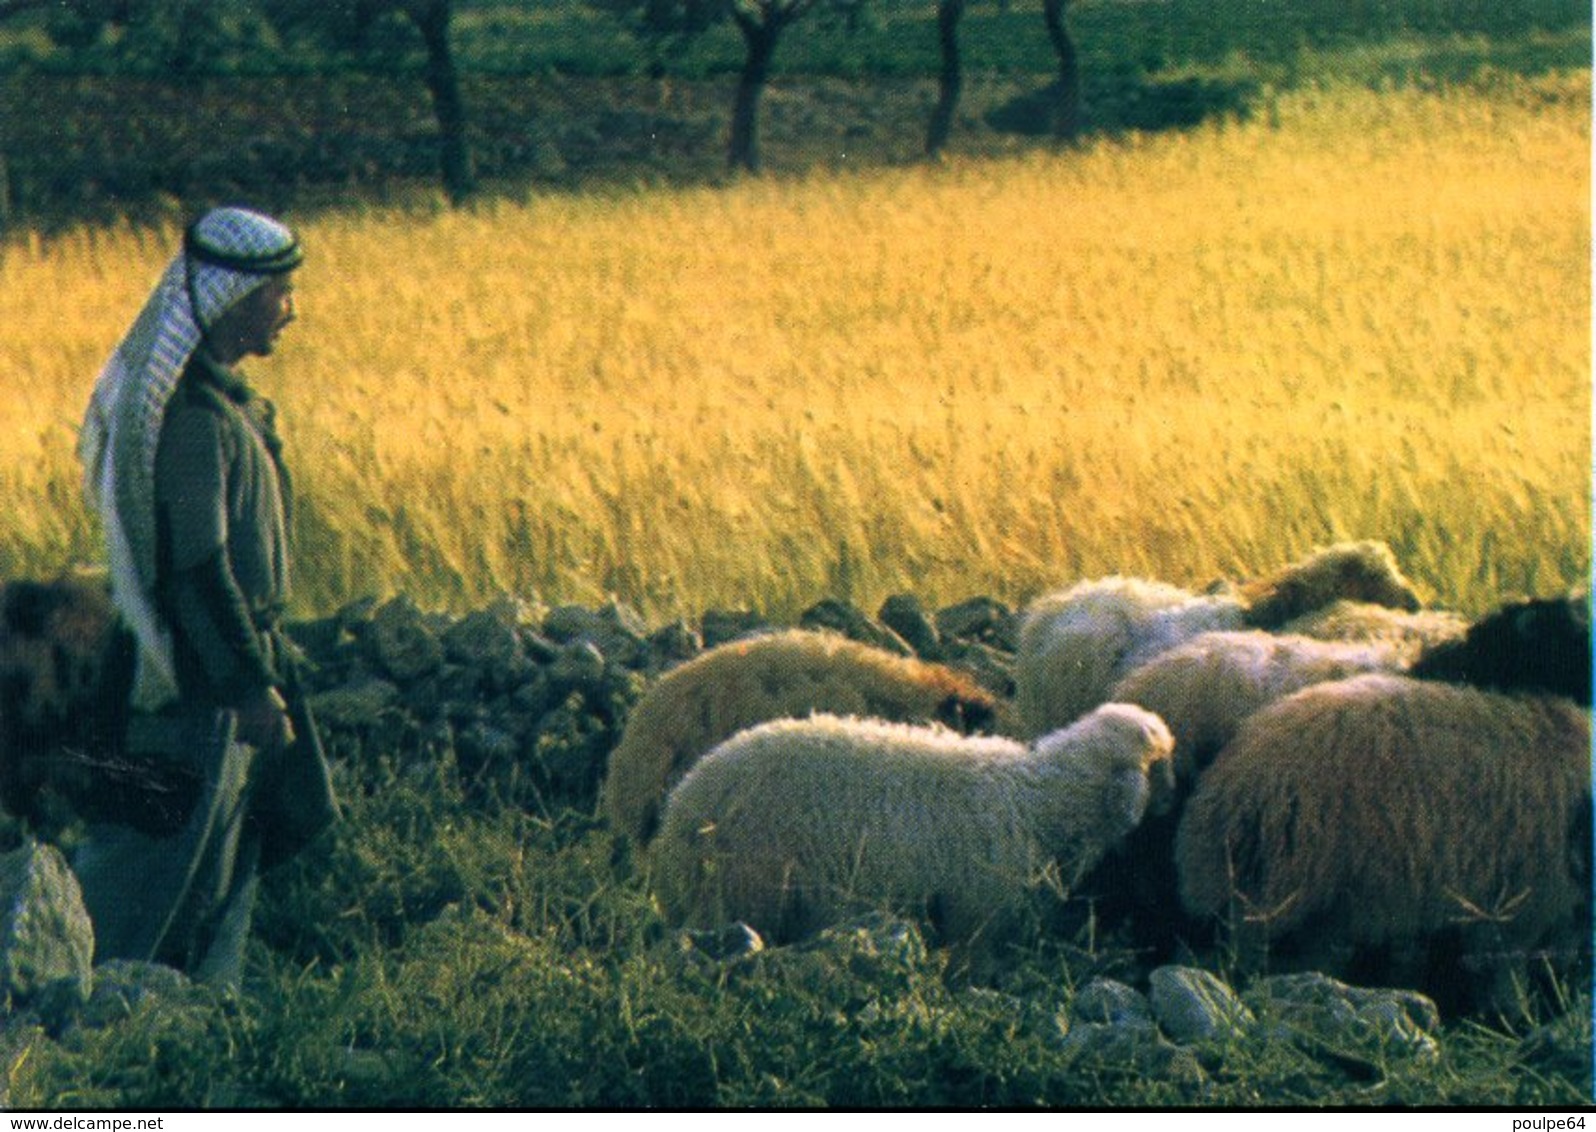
[531, 700]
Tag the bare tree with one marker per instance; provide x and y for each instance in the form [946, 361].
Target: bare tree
[1067, 111]
[457, 166]
[761, 23]
[951, 80]
[347, 24]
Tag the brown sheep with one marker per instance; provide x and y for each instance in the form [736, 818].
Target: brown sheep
[66, 666]
[1386, 819]
[693, 707]
[1364, 572]
[1204, 690]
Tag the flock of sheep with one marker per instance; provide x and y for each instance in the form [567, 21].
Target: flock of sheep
[1310, 768]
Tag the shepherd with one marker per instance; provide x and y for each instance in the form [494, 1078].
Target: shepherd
[184, 465]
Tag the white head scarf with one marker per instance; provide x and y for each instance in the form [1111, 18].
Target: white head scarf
[227, 254]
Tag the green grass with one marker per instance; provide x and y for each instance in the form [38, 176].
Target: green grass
[437, 952]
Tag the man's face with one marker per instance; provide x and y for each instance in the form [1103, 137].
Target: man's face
[254, 323]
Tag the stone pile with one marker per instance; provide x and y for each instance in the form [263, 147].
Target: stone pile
[531, 699]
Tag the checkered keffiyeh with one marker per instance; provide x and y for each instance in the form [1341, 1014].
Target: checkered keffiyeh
[226, 255]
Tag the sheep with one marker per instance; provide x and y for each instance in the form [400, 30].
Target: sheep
[1424, 828]
[66, 667]
[1410, 632]
[1204, 690]
[736, 685]
[1075, 644]
[1540, 645]
[794, 824]
[1364, 571]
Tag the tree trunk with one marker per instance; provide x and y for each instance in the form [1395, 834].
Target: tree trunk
[443, 83]
[1067, 113]
[949, 12]
[760, 37]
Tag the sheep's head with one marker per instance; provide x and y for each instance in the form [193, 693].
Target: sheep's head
[1540, 645]
[1109, 769]
[1353, 571]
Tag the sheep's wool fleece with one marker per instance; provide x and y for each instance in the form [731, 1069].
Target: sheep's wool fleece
[227, 254]
[1410, 633]
[1383, 808]
[794, 822]
[1206, 688]
[1076, 644]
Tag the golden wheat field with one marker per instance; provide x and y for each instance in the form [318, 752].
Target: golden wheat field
[1189, 355]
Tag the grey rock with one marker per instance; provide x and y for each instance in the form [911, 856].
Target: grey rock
[355, 705]
[872, 939]
[833, 615]
[907, 617]
[673, 643]
[579, 667]
[538, 648]
[402, 641]
[1109, 1001]
[721, 945]
[125, 986]
[1314, 1008]
[566, 623]
[981, 619]
[320, 636]
[46, 939]
[1133, 1044]
[357, 614]
[721, 626]
[1193, 1005]
[615, 630]
[489, 638]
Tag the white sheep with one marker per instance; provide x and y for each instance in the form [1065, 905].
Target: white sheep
[1387, 819]
[1074, 645]
[1206, 688]
[796, 823]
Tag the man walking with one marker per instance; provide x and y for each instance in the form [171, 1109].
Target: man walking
[183, 462]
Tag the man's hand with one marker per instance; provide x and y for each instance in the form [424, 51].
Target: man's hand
[263, 721]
